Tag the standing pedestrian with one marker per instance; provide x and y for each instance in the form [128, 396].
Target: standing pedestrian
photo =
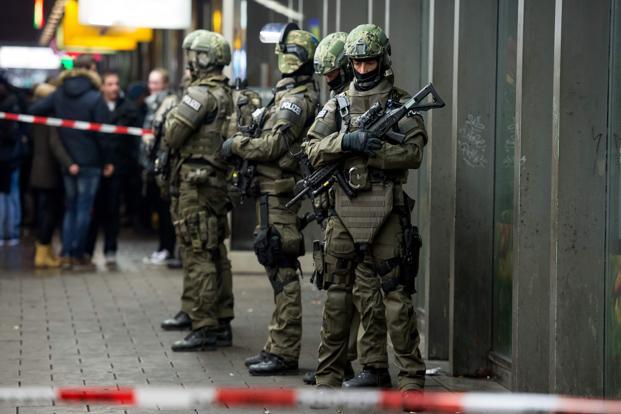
[75, 98]
[11, 152]
[160, 90]
[48, 157]
[112, 108]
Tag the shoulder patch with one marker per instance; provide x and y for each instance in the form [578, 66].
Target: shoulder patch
[191, 102]
[322, 113]
[291, 107]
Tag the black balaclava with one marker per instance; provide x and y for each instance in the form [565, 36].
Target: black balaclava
[338, 84]
[369, 80]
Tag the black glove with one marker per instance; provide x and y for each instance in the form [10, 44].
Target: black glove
[227, 149]
[366, 142]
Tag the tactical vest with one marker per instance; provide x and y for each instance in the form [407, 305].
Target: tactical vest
[205, 143]
[378, 191]
[280, 177]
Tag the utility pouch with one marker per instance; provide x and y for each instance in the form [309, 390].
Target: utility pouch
[212, 233]
[268, 247]
[193, 222]
[267, 243]
[182, 230]
[319, 264]
[409, 265]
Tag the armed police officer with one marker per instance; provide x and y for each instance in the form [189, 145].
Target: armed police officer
[278, 240]
[168, 157]
[195, 129]
[365, 241]
[332, 63]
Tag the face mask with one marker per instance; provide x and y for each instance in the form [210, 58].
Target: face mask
[366, 81]
[337, 84]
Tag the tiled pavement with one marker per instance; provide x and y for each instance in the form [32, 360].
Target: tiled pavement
[102, 328]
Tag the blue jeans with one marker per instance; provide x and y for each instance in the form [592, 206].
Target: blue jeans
[80, 193]
[10, 209]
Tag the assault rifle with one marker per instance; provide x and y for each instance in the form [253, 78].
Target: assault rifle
[381, 122]
[244, 171]
[374, 119]
[320, 181]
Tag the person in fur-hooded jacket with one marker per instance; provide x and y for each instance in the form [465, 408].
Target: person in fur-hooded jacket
[75, 98]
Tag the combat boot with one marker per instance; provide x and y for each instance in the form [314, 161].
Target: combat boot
[225, 335]
[273, 365]
[370, 377]
[200, 340]
[255, 359]
[309, 377]
[180, 322]
[44, 256]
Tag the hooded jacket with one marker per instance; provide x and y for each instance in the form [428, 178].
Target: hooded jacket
[75, 98]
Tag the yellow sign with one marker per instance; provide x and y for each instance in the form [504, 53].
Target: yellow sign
[74, 36]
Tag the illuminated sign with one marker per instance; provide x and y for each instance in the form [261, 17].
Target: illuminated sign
[37, 20]
[156, 14]
[75, 36]
[28, 58]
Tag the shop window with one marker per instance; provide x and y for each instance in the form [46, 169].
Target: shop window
[613, 276]
[503, 177]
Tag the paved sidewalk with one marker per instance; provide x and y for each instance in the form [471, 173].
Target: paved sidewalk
[102, 328]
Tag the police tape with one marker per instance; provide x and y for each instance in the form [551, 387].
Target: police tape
[388, 400]
[70, 123]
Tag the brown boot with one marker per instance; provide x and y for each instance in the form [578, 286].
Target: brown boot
[44, 256]
[51, 259]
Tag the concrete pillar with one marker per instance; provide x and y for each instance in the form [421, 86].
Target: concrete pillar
[440, 183]
[473, 116]
[578, 213]
[531, 218]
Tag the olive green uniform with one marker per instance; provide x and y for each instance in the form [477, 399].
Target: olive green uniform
[364, 237]
[286, 123]
[195, 130]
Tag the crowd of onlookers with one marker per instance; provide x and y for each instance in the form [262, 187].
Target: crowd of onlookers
[80, 182]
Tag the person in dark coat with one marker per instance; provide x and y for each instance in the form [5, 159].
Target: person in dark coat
[11, 153]
[48, 155]
[75, 98]
[112, 108]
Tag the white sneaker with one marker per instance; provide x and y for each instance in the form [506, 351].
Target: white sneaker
[110, 258]
[157, 258]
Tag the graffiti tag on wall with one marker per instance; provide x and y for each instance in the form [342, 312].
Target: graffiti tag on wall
[471, 142]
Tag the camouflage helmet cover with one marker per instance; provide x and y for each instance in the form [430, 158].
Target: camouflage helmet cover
[330, 53]
[367, 41]
[297, 49]
[189, 38]
[212, 50]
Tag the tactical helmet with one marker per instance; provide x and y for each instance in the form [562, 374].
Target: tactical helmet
[212, 51]
[189, 38]
[297, 49]
[187, 44]
[330, 56]
[330, 53]
[365, 42]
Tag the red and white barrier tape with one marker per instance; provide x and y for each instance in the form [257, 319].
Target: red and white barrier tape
[70, 123]
[171, 398]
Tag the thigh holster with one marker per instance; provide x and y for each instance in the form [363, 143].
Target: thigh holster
[390, 279]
